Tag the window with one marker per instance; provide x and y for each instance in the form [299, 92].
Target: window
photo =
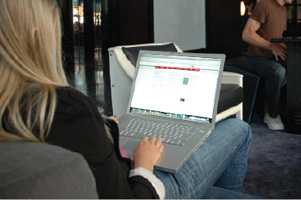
[83, 47]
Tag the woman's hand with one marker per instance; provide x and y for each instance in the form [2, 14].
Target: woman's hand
[148, 153]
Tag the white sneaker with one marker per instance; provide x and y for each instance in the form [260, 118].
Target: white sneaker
[274, 124]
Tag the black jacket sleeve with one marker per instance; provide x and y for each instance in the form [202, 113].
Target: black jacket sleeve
[78, 126]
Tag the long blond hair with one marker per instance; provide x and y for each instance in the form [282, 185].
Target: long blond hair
[30, 68]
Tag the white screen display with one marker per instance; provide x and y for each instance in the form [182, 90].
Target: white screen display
[176, 85]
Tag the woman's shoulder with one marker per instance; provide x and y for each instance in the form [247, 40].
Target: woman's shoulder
[69, 92]
[71, 101]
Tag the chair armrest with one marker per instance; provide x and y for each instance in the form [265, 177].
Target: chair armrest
[232, 78]
[122, 61]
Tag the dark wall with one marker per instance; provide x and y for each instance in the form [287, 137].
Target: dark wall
[224, 27]
[132, 22]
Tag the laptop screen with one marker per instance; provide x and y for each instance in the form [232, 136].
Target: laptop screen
[176, 86]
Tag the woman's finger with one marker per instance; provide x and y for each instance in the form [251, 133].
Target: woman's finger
[158, 142]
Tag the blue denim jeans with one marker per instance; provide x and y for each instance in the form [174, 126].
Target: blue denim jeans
[274, 76]
[220, 161]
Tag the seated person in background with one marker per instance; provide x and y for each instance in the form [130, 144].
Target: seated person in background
[37, 104]
[267, 21]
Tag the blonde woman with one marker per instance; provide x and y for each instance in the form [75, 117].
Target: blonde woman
[37, 104]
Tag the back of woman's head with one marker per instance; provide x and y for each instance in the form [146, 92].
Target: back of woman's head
[30, 67]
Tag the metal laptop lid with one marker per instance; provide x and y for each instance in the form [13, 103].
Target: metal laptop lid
[182, 86]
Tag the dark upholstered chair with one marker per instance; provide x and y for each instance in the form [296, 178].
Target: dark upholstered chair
[251, 84]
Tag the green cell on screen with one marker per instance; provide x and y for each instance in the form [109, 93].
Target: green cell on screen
[185, 81]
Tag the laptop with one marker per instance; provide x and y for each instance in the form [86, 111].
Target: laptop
[174, 97]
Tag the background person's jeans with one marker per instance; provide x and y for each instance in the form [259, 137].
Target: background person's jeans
[220, 161]
[273, 74]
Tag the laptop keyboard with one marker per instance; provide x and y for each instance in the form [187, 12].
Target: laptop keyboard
[170, 133]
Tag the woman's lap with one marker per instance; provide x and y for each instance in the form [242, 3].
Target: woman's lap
[209, 163]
